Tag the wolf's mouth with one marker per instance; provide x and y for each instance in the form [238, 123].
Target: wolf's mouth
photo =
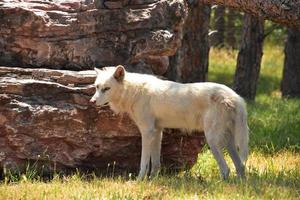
[102, 105]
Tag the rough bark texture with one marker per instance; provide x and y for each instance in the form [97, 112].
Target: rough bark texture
[45, 117]
[249, 57]
[217, 39]
[290, 85]
[75, 35]
[285, 12]
[190, 64]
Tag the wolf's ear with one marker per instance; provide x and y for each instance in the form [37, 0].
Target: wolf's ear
[119, 73]
[97, 70]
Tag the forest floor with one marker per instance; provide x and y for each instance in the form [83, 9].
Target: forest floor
[273, 166]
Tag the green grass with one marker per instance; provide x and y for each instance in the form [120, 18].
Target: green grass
[273, 167]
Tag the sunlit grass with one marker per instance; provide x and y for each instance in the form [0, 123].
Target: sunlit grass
[274, 176]
[222, 65]
[273, 166]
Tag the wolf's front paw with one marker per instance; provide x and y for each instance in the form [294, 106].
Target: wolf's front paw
[225, 174]
[154, 173]
[141, 178]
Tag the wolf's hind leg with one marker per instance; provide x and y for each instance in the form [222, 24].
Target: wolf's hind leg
[239, 166]
[218, 155]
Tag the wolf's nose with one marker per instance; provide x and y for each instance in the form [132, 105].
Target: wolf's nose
[92, 100]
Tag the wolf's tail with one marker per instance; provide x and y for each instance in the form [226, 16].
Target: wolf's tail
[241, 130]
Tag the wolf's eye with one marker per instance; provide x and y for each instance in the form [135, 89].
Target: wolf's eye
[105, 89]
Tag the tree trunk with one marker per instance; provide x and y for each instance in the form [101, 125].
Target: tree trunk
[219, 26]
[280, 11]
[190, 63]
[249, 57]
[231, 29]
[290, 85]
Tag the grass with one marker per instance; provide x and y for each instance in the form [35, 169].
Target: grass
[273, 167]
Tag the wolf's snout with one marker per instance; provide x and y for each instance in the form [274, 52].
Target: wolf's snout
[92, 100]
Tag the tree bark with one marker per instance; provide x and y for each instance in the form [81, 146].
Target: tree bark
[190, 63]
[290, 85]
[219, 26]
[249, 57]
[280, 11]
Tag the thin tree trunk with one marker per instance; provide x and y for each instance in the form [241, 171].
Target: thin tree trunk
[231, 29]
[249, 57]
[190, 64]
[290, 85]
[280, 11]
[217, 39]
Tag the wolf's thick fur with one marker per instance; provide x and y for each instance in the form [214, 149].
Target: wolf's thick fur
[155, 104]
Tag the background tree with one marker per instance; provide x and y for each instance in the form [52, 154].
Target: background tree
[190, 63]
[226, 27]
[217, 38]
[231, 29]
[249, 57]
[290, 85]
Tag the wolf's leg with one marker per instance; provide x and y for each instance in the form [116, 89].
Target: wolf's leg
[214, 133]
[218, 155]
[148, 136]
[239, 166]
[146, 123]
[145, 157]
[155, 153]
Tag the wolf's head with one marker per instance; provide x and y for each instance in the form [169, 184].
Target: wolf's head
[108, 80]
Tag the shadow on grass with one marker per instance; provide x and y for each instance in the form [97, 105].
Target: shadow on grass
[255, 184]
[267, 85]
[274, 125]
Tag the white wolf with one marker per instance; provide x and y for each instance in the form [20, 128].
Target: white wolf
[155, 104]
